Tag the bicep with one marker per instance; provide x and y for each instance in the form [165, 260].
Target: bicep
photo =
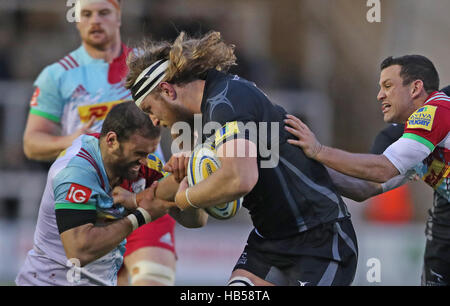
[74, 238]
[36, 123]
[406, 153]
[239, 158]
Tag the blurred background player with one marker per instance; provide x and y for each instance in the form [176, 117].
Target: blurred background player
[409, 93]
[78, 218]
[73, 97]
[303, 234]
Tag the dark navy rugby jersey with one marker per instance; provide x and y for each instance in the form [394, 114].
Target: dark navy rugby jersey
[386, 137]
[295, 195]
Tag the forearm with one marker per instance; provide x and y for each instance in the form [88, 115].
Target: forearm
[43, 146]
[166, 191]
[353, 188]
[220, 187]
[190, 217]
[88, 242]
[167, 188]
[370, 167]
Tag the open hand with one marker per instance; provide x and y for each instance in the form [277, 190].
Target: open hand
[154, 206]
[306, 139]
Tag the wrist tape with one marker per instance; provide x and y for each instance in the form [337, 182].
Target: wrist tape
[139, 217]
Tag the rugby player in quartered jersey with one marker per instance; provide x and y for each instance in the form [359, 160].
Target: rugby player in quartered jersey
[78, 218]
[73, 96]
[409, 94]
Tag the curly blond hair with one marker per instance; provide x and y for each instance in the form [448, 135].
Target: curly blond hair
[189, 58]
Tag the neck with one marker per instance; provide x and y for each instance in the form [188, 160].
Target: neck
[415, 105]
[192, 93]
[420, 101]
[108, 54]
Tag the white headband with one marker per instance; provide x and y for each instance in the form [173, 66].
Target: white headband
[148, 80]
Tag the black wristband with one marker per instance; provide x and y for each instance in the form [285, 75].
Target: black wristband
[140, 217]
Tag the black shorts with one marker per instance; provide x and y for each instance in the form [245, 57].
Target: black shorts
[323, 256]
[436, 265]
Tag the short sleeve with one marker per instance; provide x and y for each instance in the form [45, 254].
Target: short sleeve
[47, 100]
[75, 188]
[429, 125]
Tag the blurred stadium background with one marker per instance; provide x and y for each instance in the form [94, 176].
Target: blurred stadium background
[318, 58]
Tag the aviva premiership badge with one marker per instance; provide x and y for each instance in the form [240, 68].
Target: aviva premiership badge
[423, 118]
[229, 129]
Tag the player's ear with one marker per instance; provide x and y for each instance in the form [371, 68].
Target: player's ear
[416, 88]
[112, 141]
[168, 90]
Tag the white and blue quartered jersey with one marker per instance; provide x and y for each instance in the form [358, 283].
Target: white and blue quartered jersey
[77, 87]
[76, 180]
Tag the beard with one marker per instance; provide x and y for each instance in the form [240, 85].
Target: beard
[126, 171]
[100, 45]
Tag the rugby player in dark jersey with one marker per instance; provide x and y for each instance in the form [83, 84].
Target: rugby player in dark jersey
[303, 233]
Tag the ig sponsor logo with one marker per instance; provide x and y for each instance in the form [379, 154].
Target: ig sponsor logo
[78, 194]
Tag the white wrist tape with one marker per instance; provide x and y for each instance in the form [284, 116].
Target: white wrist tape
[188, 200]
[134, 221]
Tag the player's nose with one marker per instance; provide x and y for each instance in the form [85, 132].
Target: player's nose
[381, 95]
[95, 18]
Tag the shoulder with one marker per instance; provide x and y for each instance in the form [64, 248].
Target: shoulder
[438, 100]
[78, 175]
[69, 61]
[77, 162]
[233, 98]
[431, 116]
[56, 70]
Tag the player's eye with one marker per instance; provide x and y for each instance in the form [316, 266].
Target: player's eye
[86, 14]
[104, 12]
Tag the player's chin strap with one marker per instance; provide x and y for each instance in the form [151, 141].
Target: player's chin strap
[145, 270]
[240, 281]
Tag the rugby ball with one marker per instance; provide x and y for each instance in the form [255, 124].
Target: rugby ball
[203, 163]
